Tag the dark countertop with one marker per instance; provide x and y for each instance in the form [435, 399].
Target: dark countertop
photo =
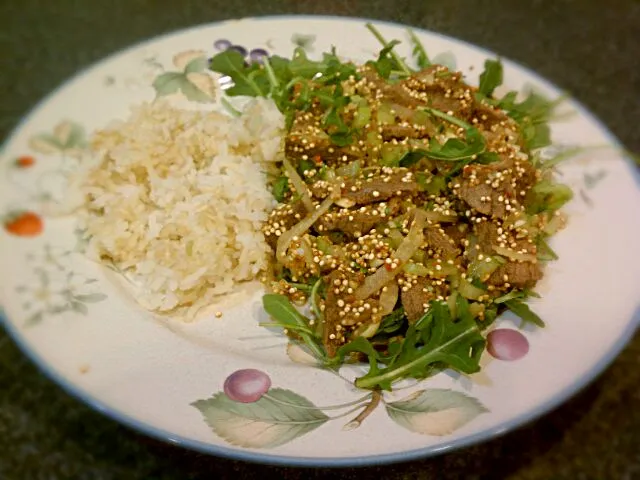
[589, 48]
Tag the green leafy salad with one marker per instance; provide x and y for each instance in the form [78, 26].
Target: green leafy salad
[413, 208]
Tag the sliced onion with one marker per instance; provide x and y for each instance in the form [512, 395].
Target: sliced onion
[349, 170]
[513, 255]
[405, 251]
[367, 330]
[438, 217]
[395, 238]
[453, 306]
[300, 228]
[556, 223]
[482, 269]
[470, 291]
[299, 185]
[307, 252]
[476, 309]
[416, 269]
[388, 298]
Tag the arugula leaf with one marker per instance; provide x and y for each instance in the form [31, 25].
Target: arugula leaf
[419, 53]
[441, 341]
[547, 196]
[301, 66]
[432, 184]
[491, 77]
[336, 71]
[411, 158]
[533, 115]
[524, 312]
[456, 149]
[385, 63]
[513, 294]
[286, 316]
[280, 188]
[535, 135]
[545, 252]
[559, 157]
[486, 158]
[490, 315]
[392, 322]
[536, 107]
[339, 132]
[250, 80]
[398, 63]
[304, 165]
[449, 118]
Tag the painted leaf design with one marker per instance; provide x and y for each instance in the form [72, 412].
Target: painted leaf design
[80, 308]
[275, 419]
[591, 180]
[63, 132]
[303, 41]
[447, 59]
[91, 297]
[197, 87]
[205, 85]
[182, 60]
[197, 65]
[435, 411]
[67, 136]
[76, 138]
[168, 83]
[45, 144]
[34, 319]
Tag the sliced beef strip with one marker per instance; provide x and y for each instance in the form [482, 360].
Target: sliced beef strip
[284, 216]
[436, 238]
[487, 234]
[414, 300]
[390, 132]
[518, 274]
[320, 189]
[457, 233]
[359, 224]
[331, 314]
[354, 222]
[378, 189]
[489, 198]
[332, 310]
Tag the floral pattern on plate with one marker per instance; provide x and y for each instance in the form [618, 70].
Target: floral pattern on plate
[56, 288]
[249, 413]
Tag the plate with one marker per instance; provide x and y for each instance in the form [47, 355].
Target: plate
[165, 378]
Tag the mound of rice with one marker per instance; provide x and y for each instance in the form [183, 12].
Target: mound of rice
[177, 200]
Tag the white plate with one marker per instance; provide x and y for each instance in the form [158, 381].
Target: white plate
[72, 319]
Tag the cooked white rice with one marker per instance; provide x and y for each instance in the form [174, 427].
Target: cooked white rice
[178, 199]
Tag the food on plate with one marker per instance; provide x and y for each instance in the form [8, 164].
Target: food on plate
[412, 209]
[177, 198]
[405, 208]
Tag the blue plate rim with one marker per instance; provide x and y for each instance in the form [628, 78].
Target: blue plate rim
[284, 460]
